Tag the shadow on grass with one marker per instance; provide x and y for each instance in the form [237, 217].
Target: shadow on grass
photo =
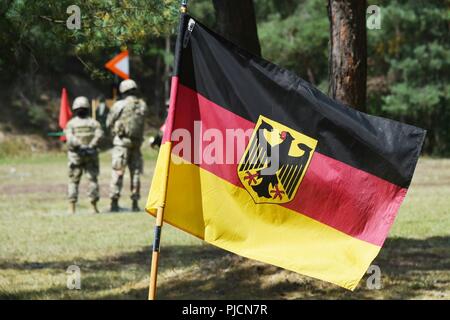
[410, 268]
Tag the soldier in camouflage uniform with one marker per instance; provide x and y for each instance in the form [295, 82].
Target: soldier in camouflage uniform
[83, 134]
[126, 122]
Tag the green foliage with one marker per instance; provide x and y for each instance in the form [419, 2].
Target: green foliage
[203, 10]
[408, 58]
[37, 114]
[116, 24]
[283, 8]
[411, 53]
[297, 38]
[30, 30]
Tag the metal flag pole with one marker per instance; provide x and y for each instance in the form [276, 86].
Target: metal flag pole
[160, 209]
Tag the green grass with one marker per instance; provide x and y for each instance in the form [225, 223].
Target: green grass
[39, 241]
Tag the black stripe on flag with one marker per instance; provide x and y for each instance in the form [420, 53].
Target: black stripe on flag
[250, 86]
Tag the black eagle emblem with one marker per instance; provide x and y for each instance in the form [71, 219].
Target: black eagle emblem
[268, 169]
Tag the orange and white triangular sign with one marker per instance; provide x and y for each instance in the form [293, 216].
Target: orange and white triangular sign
[120, 65]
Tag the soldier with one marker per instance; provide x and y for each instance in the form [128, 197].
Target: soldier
[126, 123]
[83, 134]
[101, 113]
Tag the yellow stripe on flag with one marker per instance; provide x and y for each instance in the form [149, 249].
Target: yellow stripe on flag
[225, 215]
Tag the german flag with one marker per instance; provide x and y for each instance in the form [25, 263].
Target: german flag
[257, 161]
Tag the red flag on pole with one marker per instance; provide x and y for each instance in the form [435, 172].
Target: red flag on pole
[65, 114]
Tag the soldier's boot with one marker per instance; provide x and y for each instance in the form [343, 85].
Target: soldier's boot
[114, 205]
[135, 206]
[72, 207]
[94, 207]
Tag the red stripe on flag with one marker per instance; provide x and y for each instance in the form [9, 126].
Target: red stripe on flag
[332, 192]
[168, 125]
[348, 199]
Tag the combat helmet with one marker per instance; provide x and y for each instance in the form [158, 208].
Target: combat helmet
[127, 85]
[80, 103]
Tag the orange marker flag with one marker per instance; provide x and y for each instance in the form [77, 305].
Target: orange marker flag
[120, 65]
[65, 114]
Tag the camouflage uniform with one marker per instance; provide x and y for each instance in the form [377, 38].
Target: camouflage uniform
[126, 122]
[83, 135]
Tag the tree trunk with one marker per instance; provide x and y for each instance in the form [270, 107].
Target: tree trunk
[236, 21]
[348, 52]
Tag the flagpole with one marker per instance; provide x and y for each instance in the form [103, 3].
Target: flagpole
[160, 209]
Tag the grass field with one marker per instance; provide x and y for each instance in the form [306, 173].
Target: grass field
[39, 241]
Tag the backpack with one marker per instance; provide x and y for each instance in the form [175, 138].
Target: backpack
[131, 120]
